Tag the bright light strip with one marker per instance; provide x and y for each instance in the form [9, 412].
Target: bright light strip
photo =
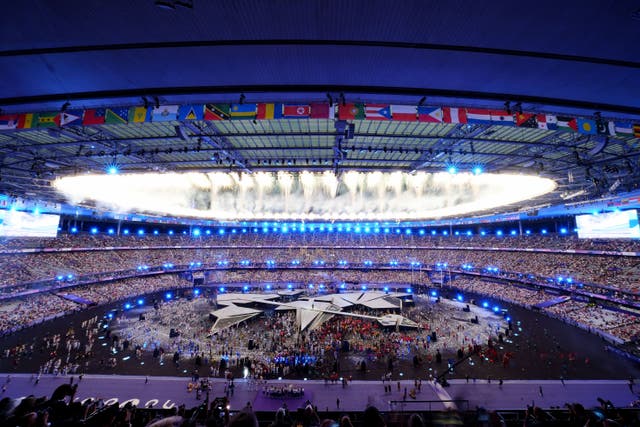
[283, 196]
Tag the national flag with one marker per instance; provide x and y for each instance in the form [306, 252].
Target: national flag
[526, 120]
[636, 131]
[587, 126]
[322, 110]
[8, 121]
[139, 115]
[567, 124]
[117, 115]
[502, 117]
[216, 112]
[296, 111]
[454, 115]
[243, 111]
[377, 112]
[623, 129]
[430, 114]
[165, 113]
[547, 121]
[269, 111]
[478, 116]
[25, 121]
[605, 127]
[93, 116]
[191, 112]
[69, 117]
[351, 111]
[404, 113]
[46, 120]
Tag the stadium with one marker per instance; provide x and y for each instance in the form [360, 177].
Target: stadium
[319, 213]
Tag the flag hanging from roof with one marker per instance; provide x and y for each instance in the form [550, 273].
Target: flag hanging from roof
[430, 114]
[351, 111]
[478, 116]
[377, 112]
[454, 115]
[69, 118]
[139, 115]
[505, 118]
[216, 112]
[623, 129]
[526, 120]
[93, 116]
[164, 113]
[191, 112]
[8, 121]
[587, 126]
[269, 111]
[567, 124]
[605, 127]
[243, 111]
[404, 113]
[46, 120]
[322, 110]
[116, 115]
[26, 121]
[547, 121]
[296, 111]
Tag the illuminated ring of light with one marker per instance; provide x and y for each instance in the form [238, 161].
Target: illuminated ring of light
[353, 196]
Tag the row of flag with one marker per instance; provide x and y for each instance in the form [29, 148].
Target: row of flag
[347, 111]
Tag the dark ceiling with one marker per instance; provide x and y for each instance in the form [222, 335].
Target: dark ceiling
[572, 57]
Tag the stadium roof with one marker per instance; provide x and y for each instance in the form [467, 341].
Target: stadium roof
[574, 62]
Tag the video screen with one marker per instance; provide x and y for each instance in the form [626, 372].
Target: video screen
[613, 225]
[25, 224]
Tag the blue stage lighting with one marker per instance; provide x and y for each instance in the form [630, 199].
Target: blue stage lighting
[221, 289]
[496, 309]
[140, 232]
[245, 288]
[563, 230]
[485, 304]
[445, 233]
[125, 231]
[459, 297]
[452, 170]
[127, 306]
[268, 287]
[407, 231]
[499, 233]
[196, 292]
[289, 286]
[376, 230]
[409, 290]
[60, 277]
[457, 233]
[483, 233]
[310, 285]
[112, 170]
[527, 232]
[196, 232]
[168, 295]
[170, 232]
[434, 293]
[508, 319]
[69, 276]
[140, 301]
[208, 232]
[386, 289]
[477, 170]
[543, 231]
[363, 287]
[94, 230]
[514, 232]
[221, 231]
[386, 230]
[74, 229]
[421, 232]
[111, 231]
[156, 232]
[469, 233]
[433, 232]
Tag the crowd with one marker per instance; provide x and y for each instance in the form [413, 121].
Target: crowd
[26, 311]
[624, 325]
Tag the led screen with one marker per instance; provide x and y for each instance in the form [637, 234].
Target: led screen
[15, 223]
[613, 225]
